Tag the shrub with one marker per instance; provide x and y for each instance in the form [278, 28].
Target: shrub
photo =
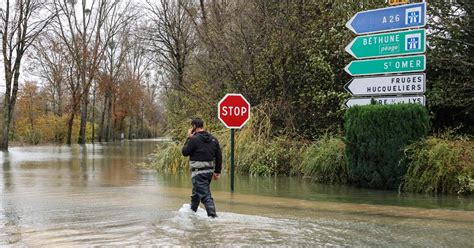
[325, 160]
[280, 156]
[32, 136]
[258, 152]
[48, 128]
[440, 165]
[250, 144]
[376, 136]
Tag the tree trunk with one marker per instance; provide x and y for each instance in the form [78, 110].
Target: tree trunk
[93, 114]
[137, 127]
[82, 128]
[9, 103]
[108, 129]
[102, 121]
[59, 102]
[130, 120]
[70, 122]
[5, 128]
[114, 130]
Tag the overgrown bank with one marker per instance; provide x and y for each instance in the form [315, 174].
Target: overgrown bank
[392, 157]
[435, 164]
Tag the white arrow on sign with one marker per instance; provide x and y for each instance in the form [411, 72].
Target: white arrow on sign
[386, 100]
[389, 85]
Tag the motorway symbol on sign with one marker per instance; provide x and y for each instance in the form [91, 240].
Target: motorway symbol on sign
[388, 19]
[386, 100]
[390, 85]
[397, 2]
[387, 65]
[388, 44]
[234, 110]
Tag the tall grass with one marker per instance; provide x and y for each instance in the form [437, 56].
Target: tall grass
[168, 158]
[440, 165]
[325, 161]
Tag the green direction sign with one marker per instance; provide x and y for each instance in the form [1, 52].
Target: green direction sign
[386, 65]
[388, 44]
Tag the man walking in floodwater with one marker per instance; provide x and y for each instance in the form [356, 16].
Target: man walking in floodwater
[205, 159]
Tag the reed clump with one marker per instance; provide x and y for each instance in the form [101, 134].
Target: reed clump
[168, 158]
[325, 161]
[440, 164]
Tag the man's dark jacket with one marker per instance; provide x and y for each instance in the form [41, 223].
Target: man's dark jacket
[204, 147]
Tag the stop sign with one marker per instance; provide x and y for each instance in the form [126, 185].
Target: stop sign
[234, 110]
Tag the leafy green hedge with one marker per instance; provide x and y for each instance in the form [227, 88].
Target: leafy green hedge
[376, 136]
[440, 165]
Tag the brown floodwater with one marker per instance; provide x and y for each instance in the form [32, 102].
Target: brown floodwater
[93, 195]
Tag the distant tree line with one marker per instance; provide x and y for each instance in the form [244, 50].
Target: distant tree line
[91, 76]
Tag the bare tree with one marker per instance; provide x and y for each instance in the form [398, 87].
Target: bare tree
[138, 64]
[171, 36]
[86, 28]
[114, 59]
[50, 62]
[20, 26]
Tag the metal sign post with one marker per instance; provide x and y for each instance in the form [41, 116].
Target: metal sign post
[232, 164]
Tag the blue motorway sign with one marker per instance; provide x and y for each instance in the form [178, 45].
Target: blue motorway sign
[388, 19]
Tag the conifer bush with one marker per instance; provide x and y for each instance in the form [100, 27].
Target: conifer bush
[376, 136]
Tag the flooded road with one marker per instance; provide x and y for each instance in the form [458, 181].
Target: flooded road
[92, 195]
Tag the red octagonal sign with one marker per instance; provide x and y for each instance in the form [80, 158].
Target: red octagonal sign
[234, 110]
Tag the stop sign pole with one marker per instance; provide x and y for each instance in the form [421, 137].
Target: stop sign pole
[233, 111]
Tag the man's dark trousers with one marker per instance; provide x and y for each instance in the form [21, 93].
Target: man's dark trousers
[202, 193]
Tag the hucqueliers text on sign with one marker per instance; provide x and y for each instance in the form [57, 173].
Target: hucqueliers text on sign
[387, 85]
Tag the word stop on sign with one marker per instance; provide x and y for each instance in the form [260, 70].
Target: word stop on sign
[233, 111]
